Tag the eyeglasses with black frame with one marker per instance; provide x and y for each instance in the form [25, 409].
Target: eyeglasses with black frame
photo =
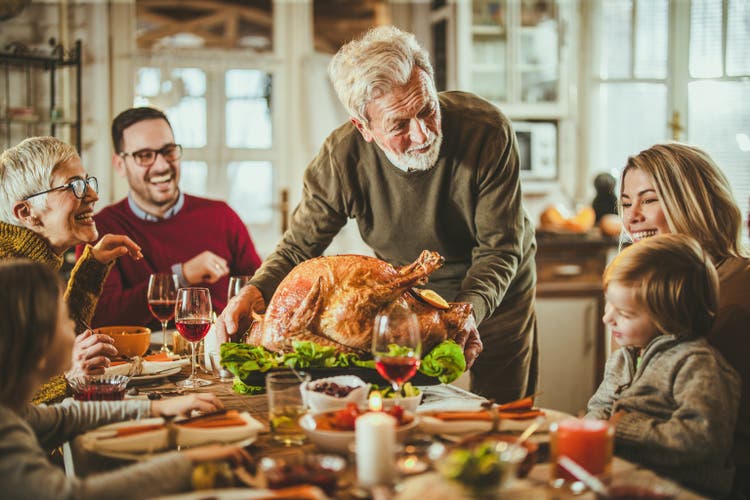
[79, 186]
[147, 157]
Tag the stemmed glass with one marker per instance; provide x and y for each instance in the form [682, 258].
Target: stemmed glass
[396, 344]
[162, 295]
[193, 320]
[237, 283]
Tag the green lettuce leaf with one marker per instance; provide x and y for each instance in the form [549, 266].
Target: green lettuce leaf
[446, 362]
[243, 359]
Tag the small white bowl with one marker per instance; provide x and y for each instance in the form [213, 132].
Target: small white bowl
[338, 441]
[409, 404]
[320, 402]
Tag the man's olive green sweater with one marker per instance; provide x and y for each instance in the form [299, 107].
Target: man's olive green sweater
[81, 294]
[467, 208]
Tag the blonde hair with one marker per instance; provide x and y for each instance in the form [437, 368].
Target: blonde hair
[29, 300]
[366, 69]
[695, 196]
[27, 168]
[674, 281]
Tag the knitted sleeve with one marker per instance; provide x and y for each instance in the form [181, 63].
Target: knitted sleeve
[706, 396]
[615, 373]
[84, 287]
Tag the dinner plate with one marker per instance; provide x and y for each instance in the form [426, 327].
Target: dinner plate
[138, 379]
[222, 494]
[432, 425]
[145, 445]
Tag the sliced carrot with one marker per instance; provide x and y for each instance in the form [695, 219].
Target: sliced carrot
[521, 415]
[210, 424]
[518, 404]
[137, 429]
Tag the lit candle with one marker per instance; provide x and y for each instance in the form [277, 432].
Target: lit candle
[376, 401]
[375, 438]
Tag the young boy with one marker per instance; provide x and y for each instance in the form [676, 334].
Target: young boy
[675, 398]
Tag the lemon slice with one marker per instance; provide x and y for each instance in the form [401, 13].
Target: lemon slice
[431, 297]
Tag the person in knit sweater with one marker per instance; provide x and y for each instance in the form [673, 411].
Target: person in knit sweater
[678, 188]
[420, 170]
[674, 398]
[202, 241]
[36, 340]
[46, 207]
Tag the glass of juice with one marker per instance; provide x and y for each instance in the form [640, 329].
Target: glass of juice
[588, 442]
[285, 406]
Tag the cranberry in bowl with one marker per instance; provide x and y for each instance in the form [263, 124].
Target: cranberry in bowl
[98, 387]
[334, 393]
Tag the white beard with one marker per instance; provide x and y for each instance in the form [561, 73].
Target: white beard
[411, 160]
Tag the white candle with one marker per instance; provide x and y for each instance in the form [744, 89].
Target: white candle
[375, 444]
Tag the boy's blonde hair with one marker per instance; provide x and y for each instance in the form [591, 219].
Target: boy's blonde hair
[695, 195]
[674, 281]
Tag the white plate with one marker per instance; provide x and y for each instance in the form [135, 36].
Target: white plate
[338, 441]
[432, 425]
[221, 494]
[155, 376]
[148, 444]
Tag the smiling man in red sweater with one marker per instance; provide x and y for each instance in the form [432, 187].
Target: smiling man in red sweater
[202, 241]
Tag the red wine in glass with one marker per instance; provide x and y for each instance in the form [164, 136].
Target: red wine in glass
[193, 329]
[163, 310]
[193, 320]
[161, 296]
[396, 344]
[398, 370]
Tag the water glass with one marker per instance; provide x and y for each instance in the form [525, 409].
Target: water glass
[285, 406]
[218, 370]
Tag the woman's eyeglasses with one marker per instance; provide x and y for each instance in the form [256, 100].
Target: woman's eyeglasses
[78, 185]
[147, 157]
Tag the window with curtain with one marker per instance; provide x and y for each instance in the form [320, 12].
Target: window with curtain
[647, 88]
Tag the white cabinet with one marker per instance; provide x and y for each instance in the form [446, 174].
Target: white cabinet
[515, 53]
[567, 345]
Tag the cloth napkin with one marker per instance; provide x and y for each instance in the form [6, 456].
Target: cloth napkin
[149, 367]
[150, 435]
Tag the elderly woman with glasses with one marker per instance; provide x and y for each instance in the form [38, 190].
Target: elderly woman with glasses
[47, 207]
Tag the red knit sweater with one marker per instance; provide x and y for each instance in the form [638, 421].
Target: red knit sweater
[200, 225]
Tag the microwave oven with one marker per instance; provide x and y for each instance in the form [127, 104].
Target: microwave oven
[537, 149]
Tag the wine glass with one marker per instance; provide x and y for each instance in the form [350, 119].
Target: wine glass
[162, 295]
[237, 283]
[193, 320]
[396, 344]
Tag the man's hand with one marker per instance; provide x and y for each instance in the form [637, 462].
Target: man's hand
[237, 315]
[91, 353]
[206, 267]
[473, 346]
[201, 401]
[112, 246]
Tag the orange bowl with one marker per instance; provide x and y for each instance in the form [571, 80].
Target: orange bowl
[129, 340]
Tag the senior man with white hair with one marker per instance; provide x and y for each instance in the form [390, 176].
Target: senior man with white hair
[47, 207]
[421, 170]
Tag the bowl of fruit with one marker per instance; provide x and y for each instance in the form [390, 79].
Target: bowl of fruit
[334, 430]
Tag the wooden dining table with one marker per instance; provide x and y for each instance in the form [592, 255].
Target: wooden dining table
[536, 485]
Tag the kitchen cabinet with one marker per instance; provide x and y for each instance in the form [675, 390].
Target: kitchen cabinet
[31, 99]
[569, 307]
[515, 54]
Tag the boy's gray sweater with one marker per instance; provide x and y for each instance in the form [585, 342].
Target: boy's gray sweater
[680, 407]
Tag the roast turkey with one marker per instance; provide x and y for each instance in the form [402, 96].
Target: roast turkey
[333, 301]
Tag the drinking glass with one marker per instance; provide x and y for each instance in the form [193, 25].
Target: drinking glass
[285, 406]
[236, 283]
[396, 344]
[162, 296]
[193, 320]
[588, 442]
